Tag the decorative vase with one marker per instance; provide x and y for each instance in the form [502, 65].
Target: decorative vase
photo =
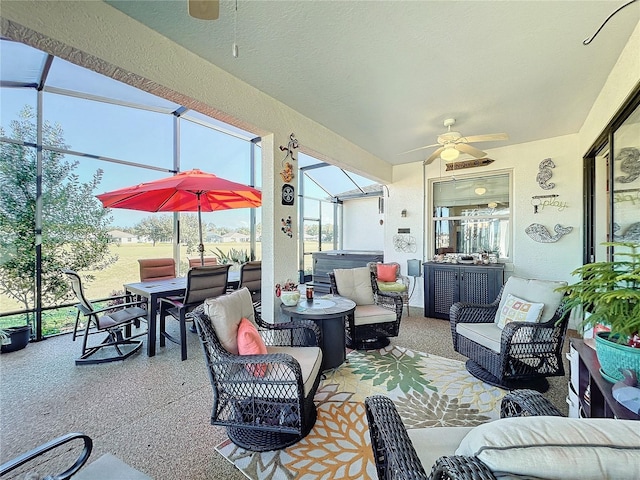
[290, 297]
[613, 356]
[18, 338]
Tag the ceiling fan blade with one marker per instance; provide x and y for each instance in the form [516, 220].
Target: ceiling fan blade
[463, 147]
[419, 148]
[204, 9]
[489, 137]
[433, 156]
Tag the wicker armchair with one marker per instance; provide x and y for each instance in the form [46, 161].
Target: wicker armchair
[397, 284]
[523, 353]
[397, 459]
[376, 317]
[266, 411]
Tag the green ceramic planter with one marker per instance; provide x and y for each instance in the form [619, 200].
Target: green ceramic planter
[613, 356]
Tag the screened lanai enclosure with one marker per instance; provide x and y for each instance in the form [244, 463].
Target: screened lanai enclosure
[69, 133]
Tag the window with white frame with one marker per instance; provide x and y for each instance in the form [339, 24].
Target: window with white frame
[471, 215]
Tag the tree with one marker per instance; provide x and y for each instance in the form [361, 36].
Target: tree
[157, 228]
[74, 223]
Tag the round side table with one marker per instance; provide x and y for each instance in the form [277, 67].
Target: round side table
[329, 313]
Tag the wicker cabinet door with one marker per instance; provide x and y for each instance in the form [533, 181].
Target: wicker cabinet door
[441, 289]
[480, 284]
[473, 285]
[445, 285]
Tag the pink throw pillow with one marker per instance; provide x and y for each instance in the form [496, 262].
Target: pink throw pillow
[387, 273]
[250, 343]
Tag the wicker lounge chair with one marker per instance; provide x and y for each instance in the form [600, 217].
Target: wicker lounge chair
[530, 440]
[394, 452]
[376, 317]
[396, 283]
[264, 400]
[521, 353]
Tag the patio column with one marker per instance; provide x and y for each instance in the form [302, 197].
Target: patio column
[279, 251]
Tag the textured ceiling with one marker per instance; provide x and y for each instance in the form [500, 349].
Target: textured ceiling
[385, 74]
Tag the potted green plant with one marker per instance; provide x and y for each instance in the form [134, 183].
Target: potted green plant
[610, 293]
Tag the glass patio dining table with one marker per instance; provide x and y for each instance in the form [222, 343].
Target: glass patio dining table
[154, 290]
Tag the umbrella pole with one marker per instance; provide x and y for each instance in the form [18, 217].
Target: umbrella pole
[201, 245]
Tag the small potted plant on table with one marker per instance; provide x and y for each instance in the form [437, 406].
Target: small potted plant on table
[610, 293]
[288, 293]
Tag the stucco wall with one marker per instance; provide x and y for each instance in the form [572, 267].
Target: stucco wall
[361, 229]
[529, 259]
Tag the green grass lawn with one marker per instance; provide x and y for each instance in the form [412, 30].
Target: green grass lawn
[126, 270]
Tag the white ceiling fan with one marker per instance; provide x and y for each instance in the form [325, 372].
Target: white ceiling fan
[204, 9]
[450, 144]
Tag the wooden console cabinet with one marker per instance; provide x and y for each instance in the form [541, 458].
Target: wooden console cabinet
[446, 284]
[601, 404]
[325, 262]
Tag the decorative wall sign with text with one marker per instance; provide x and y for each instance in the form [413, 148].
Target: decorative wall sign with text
[540, 202]
[478, 162]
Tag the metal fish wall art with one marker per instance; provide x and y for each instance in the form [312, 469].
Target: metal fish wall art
[539, 233]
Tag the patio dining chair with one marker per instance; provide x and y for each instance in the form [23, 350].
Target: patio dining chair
[208, 261]
[157, 269]
[202, 283]
[115, 320]
[251, 277]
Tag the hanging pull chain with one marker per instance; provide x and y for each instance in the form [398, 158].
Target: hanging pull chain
[234, 50]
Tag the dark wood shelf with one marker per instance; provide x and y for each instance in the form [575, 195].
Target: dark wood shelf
[602, 404]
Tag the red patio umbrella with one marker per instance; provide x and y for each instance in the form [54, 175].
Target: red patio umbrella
[189, 191]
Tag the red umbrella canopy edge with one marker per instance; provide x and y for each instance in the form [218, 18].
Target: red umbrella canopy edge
[180, 192]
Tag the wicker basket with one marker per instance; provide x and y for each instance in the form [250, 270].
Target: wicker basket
[613, 356]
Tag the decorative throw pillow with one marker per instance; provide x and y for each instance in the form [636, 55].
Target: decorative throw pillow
[250, 343]
[386, 272]
[518, 310]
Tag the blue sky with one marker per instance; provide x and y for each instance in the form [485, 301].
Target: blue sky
[128, 134]
[135, 135]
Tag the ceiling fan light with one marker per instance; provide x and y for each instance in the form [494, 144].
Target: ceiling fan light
[449, 154]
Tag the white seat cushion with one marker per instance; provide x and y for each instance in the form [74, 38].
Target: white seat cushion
[109, 467]
[432, 443]
[368, 314]
[531, 290]
[557, 447]
[486, 334]
[310, 360]
[355, 284]
[226, 312]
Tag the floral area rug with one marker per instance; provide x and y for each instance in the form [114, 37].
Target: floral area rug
[428, 390]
